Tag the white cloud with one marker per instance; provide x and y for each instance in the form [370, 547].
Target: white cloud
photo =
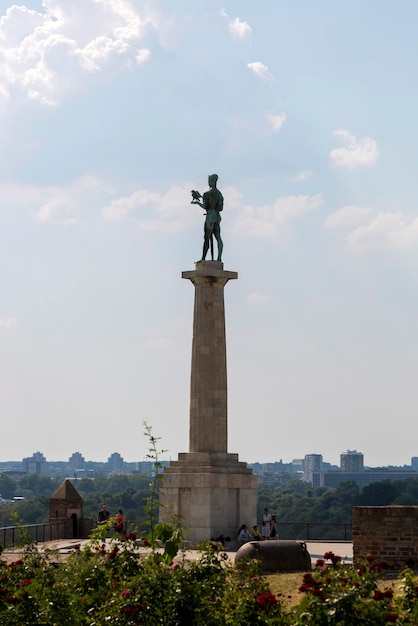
[348, 216]
[264, 221]
[357, 153]
[239, 29]
[388, 231]
[255, 297]
[370, 229]
[8, 322]
[260, 70]
[43, 53]
[169, 212]
[65, 204]
[276, 120]
[304, 175]
[61, 202]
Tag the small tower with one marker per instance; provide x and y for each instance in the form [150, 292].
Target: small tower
[66, 508]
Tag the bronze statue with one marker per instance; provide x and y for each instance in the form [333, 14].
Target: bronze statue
[213, 203]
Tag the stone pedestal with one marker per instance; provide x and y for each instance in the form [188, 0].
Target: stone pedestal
[208, 487]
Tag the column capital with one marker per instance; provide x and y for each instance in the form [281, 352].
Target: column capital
[209, 269]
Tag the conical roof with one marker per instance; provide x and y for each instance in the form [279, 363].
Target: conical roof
[66, 491]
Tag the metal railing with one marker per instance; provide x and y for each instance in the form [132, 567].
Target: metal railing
[308, 531]
[315, 531]
[14, 535]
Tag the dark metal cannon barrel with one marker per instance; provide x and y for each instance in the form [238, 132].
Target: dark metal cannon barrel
[276, 555]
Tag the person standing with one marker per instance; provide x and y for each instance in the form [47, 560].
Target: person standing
[103, 515]
[118, 523]
[273, 527]
[266, 527]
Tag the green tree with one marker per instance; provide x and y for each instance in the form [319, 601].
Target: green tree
[7, 487]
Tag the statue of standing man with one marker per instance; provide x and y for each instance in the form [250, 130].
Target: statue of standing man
[213, 203]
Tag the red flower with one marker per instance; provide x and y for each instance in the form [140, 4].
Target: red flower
[126, 593]
[320, 562]
[266, 600]
[382, 595]
[114, 552]
[145, 543]
[25, 583]
[391, 617]
[13, 600]
[130, 610]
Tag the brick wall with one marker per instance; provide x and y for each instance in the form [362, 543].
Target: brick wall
[388, 533]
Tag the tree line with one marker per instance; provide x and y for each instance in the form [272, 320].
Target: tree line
[294, 501]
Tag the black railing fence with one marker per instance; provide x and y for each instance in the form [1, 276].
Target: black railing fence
[14, 535]
[315, 531]
[307, 531]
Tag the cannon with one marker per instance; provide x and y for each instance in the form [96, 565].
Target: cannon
[275, 556]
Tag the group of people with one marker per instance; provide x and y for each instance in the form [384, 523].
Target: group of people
[118, 520]
[269, 526]
[268, 529]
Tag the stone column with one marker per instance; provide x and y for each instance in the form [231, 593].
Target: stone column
[208, 385]
[208, 487]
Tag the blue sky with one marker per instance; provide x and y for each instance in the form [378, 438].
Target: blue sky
[111, 111]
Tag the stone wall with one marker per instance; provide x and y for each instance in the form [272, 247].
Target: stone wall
[388, 533]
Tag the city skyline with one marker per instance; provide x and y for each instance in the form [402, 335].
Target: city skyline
[350, 460]
[111, 112]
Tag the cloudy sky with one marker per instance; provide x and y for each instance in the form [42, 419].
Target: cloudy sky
[111, 111]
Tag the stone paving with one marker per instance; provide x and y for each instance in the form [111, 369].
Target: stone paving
[64, 547]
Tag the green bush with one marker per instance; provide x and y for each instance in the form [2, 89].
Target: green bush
[347, 595]
[102, 584]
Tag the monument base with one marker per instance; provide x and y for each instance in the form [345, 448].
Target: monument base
[212, 492]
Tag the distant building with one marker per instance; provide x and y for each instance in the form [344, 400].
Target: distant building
[115, 462]
[312, 463]
[334, 479]
[143, 467]
[35, 464]
[297, 466]
[76, 461]
[414, 463]
[352, 461]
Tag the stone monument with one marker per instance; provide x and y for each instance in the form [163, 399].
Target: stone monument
[208, 487]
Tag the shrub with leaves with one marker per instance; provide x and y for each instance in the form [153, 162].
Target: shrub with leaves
[348, 595]
[113, 583]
